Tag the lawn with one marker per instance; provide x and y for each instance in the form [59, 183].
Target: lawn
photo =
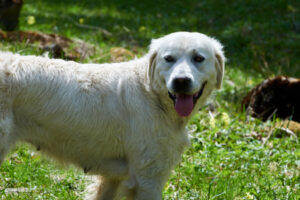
[231, 156]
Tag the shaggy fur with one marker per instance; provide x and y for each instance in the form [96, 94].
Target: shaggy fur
[276, 96]
[114, 120]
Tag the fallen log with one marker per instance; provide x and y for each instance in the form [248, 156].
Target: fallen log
[58, 46]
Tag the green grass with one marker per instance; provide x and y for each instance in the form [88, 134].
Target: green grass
[40, 178]
[227, 160]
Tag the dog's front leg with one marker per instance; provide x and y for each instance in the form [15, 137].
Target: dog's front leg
[146, 177]
[138, 187]
[148, 189]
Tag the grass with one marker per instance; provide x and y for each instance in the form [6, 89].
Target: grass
[38, 178]
[227, 159]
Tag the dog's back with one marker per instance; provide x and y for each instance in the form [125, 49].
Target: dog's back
[56, 105]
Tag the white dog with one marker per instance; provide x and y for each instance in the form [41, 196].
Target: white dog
[123, 121]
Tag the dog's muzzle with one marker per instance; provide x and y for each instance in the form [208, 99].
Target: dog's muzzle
[184, 103]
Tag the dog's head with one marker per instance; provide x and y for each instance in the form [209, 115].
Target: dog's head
[188, 66]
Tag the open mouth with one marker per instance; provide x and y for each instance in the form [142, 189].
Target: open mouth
[184, 103]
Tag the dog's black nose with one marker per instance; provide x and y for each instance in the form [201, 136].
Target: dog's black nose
[181, 84]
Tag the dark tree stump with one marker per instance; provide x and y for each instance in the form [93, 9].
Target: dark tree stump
[279, 96]
[9, 14]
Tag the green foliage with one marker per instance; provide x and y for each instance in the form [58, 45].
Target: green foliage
[228, 159]
[258, 36]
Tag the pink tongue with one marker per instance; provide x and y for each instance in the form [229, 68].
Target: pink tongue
[184, 104]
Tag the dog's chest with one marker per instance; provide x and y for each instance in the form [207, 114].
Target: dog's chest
[160, 157]
[173, 146]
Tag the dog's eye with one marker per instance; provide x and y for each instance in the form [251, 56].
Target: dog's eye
[169, 58]
[198, 58]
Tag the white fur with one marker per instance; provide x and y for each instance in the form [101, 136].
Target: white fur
[114, 120]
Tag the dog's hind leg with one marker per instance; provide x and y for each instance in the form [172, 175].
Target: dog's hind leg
[107, 188]
[6, 133]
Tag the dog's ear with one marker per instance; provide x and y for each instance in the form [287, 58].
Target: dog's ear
[152, 65]
[219, 62]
